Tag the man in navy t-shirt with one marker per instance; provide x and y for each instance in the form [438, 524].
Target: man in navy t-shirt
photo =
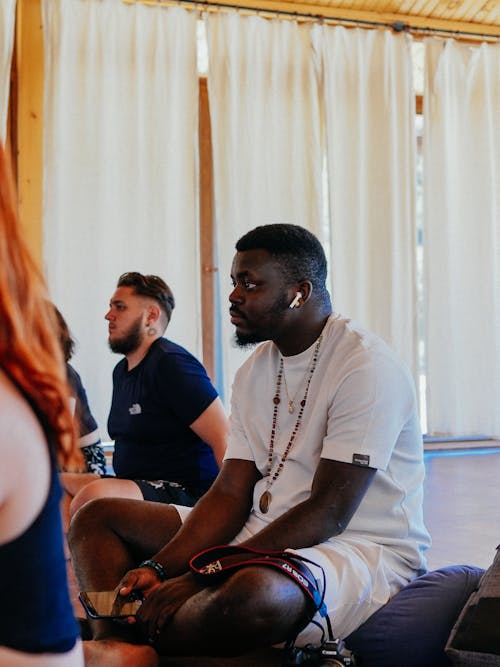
[167, 421]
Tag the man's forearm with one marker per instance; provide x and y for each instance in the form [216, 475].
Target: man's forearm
[302, 526]
[216, 519]
[336, 493]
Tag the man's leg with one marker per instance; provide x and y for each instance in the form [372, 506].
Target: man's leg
[106, 487]
[255, 607]
[113, 653]
[110, 536]
[107, 538]
[72, 483]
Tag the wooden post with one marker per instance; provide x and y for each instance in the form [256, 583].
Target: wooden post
[27, 120]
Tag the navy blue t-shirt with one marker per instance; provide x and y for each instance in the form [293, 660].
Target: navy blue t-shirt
[152, 408]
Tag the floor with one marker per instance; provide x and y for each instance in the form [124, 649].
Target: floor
[462, 506]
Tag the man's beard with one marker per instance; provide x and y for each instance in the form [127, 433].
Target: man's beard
[246, 341]
[274, 315]
[128, 343]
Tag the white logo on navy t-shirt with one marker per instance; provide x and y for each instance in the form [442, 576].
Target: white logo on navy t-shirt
[135, 409]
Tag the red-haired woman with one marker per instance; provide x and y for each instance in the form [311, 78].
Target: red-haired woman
[37, 625]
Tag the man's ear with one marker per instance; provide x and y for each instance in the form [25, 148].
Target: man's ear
[305, 288]
[153, 314]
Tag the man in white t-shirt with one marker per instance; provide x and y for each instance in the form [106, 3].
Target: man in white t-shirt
[325, 461]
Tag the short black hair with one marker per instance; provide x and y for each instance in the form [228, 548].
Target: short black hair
[299, 252]
[152, 286]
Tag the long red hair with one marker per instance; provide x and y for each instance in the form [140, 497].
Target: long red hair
[30, 351]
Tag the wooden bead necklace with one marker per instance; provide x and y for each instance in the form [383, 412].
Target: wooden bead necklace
[266, 497]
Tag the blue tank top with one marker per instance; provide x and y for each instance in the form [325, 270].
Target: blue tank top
[36, 614]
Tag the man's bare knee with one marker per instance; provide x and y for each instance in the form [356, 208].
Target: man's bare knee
[105, 488]
[256, 606]
[89, 519]
[271, 594]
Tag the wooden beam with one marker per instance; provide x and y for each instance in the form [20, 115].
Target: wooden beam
[207, 242]
[28, 117]
[419, 104]
[302, 11]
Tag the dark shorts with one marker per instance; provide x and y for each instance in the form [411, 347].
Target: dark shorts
[95, 459]
[161, 491]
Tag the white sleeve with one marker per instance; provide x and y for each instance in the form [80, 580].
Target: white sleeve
[369, 410]
[238, 446]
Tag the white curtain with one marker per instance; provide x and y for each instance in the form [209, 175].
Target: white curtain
[7, 28]
[262, 83]
[369, 109]
[120, 189]
[462, 236]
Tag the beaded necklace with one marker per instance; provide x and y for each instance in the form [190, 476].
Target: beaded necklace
[266, 497]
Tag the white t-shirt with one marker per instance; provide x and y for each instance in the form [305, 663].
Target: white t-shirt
[361, 408]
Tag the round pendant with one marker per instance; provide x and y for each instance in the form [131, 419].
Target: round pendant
[264, 502]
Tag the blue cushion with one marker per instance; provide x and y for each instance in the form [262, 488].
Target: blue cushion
[411, 630]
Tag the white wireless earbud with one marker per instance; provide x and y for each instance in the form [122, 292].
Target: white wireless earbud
[296, 300]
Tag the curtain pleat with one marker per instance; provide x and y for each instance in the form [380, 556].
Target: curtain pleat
[461, 237]
[120, 171]
[263, 92]
[369, 107]
[7, 29]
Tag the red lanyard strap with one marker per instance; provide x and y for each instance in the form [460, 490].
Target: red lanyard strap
[216, 562]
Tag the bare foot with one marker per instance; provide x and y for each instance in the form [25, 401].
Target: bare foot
[113, 653]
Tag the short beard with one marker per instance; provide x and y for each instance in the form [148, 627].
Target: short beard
[275, 315]
[128, 343]
[246, 341]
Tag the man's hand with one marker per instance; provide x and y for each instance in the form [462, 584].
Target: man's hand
[162, 603]
[142, 579]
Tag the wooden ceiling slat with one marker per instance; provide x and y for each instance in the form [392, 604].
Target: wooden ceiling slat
[470, 11]
[431, 8]
[460, 11]
[488, 12]
[333, 11]
[410, 6]
[483, 12]
[472, 18]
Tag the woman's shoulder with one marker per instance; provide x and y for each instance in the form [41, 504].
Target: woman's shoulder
[15, 410]
[25, 460]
